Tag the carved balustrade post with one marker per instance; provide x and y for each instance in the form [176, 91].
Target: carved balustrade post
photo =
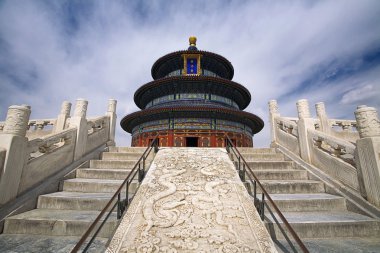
[324, 124]
[368, 150]
[273, 113]
[304, 123]
[61, 123]
[111, 113]
[13, 146]
[80, 122]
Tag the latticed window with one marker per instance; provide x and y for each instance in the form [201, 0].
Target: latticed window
[177, 72]
[209, 73]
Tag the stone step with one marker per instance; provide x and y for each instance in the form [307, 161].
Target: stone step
[263, 157]
[280, 174]
[94, 185]
[292, 186]
[12, 243]
[333, 245]
[118, 174]
[74, 201]
[127, 149]
[256, 150]
[103, 164]
[327, 225]
[309, 202]
[271, 165]
[124, 156]
[56, 222]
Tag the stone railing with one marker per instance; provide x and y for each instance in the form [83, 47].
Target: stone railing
[350, 155]
[334, 156]
[40, 127]
[345, 129]
[96, 124]
[47, 155]
[287, 133]
[36, 127]
[344, 125]
[40, 124]
[333, 146]
[27, 158]
[50, 143]
[98, 129]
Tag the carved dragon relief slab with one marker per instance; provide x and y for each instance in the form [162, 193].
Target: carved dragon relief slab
[191, 200]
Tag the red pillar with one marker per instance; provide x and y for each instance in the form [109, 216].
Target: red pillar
[140, 140]
[170, 138]
[213, 140]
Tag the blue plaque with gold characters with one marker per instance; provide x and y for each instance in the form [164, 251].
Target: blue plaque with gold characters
[192, 66]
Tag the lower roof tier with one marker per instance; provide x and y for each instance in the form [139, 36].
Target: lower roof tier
[129, 122]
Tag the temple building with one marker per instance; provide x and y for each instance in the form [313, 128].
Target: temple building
[192, 102]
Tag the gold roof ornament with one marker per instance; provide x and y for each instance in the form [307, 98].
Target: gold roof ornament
[193, 41]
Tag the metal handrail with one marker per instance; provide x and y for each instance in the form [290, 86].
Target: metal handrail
[121, 205]
[260, 204]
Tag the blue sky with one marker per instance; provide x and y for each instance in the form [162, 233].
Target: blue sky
[51, 51]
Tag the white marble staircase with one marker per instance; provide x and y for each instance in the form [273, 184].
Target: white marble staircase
[60, 218]
[321, 220]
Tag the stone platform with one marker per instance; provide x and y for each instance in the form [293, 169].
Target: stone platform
[191, 200]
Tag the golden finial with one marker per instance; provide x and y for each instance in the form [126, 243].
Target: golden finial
[193, 41]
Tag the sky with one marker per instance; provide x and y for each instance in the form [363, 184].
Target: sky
[51, 51]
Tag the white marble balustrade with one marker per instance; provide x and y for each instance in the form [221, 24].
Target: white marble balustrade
[29, 153]
[347, 150]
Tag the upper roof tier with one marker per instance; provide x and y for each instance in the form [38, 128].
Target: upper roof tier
[209, 62]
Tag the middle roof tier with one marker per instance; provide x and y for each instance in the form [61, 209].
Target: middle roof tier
[192, 84]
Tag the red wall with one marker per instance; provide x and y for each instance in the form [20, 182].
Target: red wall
[177, 138]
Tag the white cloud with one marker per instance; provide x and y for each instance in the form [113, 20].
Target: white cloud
[361, 93]
[110, 48]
